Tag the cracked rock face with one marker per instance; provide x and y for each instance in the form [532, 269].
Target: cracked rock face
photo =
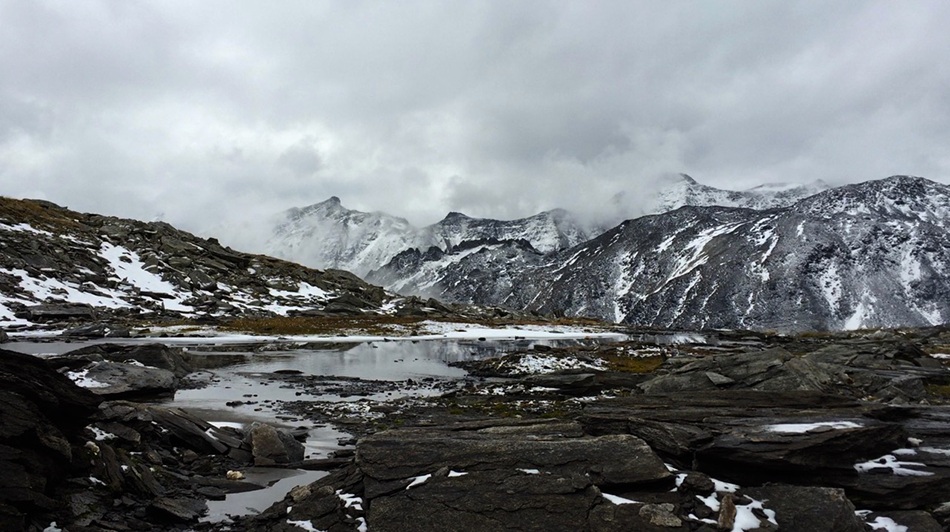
[517, 477]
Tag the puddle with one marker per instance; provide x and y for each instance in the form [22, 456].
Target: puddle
[243, 375]
[254, 502]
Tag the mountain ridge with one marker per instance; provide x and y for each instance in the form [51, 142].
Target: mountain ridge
[329, 235]
[866, 255]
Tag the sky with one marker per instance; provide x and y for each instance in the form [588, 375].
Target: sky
[213, 112]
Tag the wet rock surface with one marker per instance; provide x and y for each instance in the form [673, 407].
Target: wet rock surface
[790, 433]
[835, 433]
[71, 458]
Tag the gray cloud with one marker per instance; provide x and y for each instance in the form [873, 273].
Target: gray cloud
[217, 110]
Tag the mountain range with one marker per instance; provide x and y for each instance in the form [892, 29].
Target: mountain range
[329, 235]
[875, 254]
[58, 266]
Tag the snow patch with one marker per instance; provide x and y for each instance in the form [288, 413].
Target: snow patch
[535, 364]
[102, 435]
[618, 500]
[897, 467]
[418, 481]
[306, 525]
[801, 428]
[82, 379]
[350, 500]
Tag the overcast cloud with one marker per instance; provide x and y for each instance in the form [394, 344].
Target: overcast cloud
[205, 111]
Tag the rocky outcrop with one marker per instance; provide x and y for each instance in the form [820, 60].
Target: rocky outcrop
[153, 355]
[41, 415]
[532, 483]
[889, 369]
[730, 432]
[803, 508]
[390, 458]
[121, 372]
[70, 458]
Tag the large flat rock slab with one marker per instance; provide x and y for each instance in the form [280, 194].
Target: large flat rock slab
[619, 459]
[510, 476]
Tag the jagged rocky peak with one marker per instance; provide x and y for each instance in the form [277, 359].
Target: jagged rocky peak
[328, 235]
[455, 217]
[668, 192]
[328, 205]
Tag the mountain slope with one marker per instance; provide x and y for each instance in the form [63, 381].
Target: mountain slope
[473, 271]
[56, 263]
[867, 255]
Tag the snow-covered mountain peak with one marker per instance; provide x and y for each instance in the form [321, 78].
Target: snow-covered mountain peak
[329, 205]
[547, 231]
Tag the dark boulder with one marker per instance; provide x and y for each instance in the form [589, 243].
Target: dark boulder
[808, 509]
[755, 454]
[177, 509]
[58, 312]
[98, 330]
[115, 380]
[499, 499]
[915, 521]
[154, 355]
[609, 460]
[271, 446]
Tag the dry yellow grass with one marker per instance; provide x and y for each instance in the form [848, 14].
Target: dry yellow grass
[329, 325]
[633, 364]
[36, 214]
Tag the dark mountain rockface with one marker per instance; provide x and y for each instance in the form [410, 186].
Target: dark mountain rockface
[476, 270]
[875, 254]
